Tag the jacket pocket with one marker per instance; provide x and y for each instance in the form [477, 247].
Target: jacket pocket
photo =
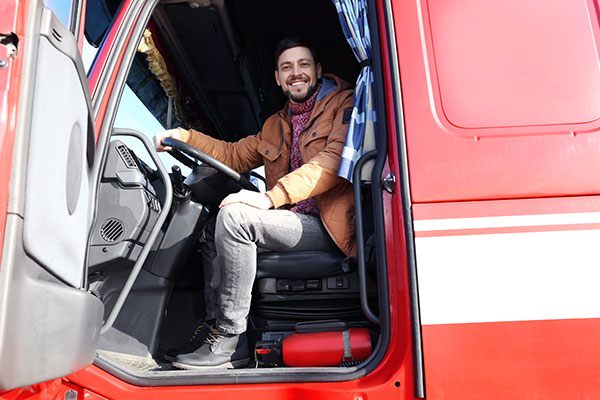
[316, 137]
[268, 150]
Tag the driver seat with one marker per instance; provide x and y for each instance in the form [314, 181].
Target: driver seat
[314, 285]
[306, 285]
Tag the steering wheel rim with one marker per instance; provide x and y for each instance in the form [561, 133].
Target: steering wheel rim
[197, 154]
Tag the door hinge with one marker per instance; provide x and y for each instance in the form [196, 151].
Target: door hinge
[11, 42]
[389, 183]
[71, 394]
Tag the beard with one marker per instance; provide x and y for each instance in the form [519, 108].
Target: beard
[301, 98]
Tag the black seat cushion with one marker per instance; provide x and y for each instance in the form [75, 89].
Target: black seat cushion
[301, 265]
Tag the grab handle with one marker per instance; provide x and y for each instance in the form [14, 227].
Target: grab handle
[153, 234]
[360, 237]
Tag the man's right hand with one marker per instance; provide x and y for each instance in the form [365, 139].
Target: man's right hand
[171, 133]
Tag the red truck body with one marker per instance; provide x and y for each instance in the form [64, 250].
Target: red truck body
[492, 225]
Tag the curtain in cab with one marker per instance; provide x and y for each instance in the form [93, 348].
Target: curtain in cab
[353, 18]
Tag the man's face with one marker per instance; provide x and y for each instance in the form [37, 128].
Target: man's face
[297, 74]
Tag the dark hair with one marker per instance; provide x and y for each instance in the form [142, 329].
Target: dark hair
[291, 42]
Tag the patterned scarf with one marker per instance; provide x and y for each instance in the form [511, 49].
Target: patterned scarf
[300, 116]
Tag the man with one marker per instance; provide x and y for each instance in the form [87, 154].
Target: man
[306, 207]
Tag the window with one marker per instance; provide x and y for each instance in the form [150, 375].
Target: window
[62, 9]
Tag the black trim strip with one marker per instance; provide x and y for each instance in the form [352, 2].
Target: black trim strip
[406, 208]
[377, 190]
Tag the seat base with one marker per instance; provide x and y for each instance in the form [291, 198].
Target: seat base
[333, 297]
[302, 264]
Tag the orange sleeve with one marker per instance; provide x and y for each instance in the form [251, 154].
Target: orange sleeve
[242, 155]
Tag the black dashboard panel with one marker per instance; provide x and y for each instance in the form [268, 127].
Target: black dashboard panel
[128, 208]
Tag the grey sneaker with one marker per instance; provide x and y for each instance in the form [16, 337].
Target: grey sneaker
[220, 350]
[198, 337]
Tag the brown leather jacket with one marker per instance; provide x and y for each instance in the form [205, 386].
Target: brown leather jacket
[321, 145]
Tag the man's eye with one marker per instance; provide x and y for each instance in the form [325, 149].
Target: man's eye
[285, 68]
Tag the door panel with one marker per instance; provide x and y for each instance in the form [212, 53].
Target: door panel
[49, 323]
[47, 329]
[57, 193]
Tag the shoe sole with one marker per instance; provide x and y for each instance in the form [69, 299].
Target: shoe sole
[169, 358]
[228, 365]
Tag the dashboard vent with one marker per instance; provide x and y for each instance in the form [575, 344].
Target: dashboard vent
[56, 35]
[112, 229]
[126, 156]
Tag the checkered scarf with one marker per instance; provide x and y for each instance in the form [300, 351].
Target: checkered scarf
[300, 115]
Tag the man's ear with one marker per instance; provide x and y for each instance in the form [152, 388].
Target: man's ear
[319, 71]
[277, 78]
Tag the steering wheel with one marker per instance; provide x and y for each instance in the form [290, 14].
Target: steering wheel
[199, 155]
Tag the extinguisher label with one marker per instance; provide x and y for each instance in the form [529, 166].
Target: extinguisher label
[347, 345]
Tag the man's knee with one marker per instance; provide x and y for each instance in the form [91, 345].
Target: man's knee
[233, 217]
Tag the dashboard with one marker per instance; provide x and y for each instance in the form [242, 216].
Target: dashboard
[128, 208]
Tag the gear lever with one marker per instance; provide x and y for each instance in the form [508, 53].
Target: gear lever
[179, 188]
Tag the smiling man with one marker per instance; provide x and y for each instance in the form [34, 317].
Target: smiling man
[306, 207]
[298, 73]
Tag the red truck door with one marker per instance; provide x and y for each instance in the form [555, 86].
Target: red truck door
[501, 116]
[49, 323]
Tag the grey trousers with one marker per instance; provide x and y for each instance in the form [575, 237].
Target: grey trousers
[229, 248]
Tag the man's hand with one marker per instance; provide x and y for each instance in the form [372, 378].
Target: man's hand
[254, 199]
[171, 133]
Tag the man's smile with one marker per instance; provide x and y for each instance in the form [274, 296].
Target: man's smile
[297, 82]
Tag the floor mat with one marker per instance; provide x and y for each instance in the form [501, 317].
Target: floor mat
[137, 363]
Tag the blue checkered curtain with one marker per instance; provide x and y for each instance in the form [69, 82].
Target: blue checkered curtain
[353, 18]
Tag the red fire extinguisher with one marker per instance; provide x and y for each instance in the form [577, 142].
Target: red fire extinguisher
[326, 349]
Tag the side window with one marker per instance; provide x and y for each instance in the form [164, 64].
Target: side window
[145, 105]
[63, 9]
[133, 114]
[98, 18]
[88, 54]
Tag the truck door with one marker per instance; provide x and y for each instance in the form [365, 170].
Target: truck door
[502, 148]
[49, 323]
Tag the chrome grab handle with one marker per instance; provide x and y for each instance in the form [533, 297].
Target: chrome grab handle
[153, 234]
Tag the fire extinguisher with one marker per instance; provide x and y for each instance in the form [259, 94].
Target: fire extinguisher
[326, 349]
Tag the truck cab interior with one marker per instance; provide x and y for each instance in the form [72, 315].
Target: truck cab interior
[208, 65]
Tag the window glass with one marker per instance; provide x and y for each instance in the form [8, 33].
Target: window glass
[62, 10]
[98, 17]
[133, 114]
[88, 55]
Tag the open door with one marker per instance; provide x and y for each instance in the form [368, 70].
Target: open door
[49, 322]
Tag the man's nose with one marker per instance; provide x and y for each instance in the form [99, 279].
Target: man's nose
[295, 69]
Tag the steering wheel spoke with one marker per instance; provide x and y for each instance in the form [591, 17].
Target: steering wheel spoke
[182, 158]
[199, 155]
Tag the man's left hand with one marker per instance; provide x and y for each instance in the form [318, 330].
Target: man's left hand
[254, 199]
